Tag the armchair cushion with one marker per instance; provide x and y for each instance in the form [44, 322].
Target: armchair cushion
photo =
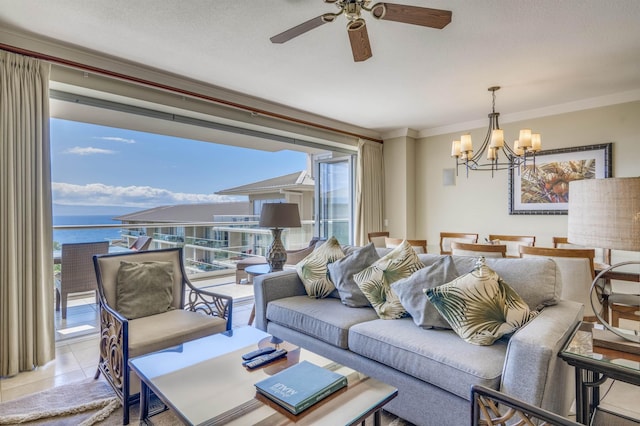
[144, 288]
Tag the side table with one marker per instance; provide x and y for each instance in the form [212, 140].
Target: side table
[593, 365]
[254, 271]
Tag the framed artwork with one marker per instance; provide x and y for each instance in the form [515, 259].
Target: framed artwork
[543, 188]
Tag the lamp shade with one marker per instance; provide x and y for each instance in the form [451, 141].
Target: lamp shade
[605, 213]
[280, 215]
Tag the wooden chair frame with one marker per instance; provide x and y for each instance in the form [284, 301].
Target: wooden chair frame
[456, 235]
[394, 242]
[577, 253]
[480, 248]
[527, 240]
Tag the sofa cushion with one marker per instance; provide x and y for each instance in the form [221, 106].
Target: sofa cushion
[438, 357]
[176, 326]
[539, 286]
[144, 288]
[313, 271]
[325, 319]
[534, 279]
[342, 270]
[410, 290]
[375, 281]
[480, 306]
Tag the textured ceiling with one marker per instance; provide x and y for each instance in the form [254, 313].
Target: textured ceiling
[547, 55]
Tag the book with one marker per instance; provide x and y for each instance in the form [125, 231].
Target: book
[300, 386]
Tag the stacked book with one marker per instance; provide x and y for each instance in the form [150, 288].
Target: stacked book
[300, 386]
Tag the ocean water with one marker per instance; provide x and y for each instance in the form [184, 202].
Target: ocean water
[88, 235]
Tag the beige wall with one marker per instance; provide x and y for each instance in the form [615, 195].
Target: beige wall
[400, 170]
[480, 203]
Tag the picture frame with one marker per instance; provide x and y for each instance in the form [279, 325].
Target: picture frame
[543, 188]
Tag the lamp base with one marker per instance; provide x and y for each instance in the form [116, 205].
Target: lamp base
[276, 254]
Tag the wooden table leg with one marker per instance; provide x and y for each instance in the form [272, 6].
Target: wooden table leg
[253, 314]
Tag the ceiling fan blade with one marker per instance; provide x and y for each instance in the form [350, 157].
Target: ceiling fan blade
[359, 38]
[303, 28]
[424, 16]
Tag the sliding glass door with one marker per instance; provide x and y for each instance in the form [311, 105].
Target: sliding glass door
[334, 198]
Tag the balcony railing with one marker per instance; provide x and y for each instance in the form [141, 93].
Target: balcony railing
[210, 248]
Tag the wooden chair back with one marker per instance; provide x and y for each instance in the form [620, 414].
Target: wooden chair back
[513, 242]
[447, 237]
[577, 272]
[474, 249]
[420, 246]
[377, 238]
[602, 256]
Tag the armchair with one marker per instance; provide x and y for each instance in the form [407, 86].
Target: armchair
[193, 313]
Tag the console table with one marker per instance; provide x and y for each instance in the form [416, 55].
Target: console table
[593, 365]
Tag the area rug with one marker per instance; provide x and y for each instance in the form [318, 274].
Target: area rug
[91, 402]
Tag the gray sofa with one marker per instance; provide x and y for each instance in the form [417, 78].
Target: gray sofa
[434, 369]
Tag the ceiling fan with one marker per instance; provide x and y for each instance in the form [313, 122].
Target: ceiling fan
[357, 27]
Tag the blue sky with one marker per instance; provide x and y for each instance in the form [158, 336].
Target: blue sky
[106, 170]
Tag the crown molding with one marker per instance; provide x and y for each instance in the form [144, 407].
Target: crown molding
[602, 101]
[400, 133]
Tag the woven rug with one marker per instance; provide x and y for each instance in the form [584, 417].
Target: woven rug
[89, 402]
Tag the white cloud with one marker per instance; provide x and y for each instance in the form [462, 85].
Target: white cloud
[115, 139]
[78, 150]
[127, 196]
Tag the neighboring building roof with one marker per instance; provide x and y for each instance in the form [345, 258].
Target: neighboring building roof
[298, 181]
[188, 212]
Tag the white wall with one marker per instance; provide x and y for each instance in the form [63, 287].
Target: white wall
[480, 203]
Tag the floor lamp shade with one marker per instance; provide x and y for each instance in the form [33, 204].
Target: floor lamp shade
[277, 216]
[605, 213]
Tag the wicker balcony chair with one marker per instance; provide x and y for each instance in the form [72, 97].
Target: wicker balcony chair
[186, 313]
[76, 273]
[141, 243]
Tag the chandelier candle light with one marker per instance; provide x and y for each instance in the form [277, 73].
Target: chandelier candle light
[277, 216]
[526, 145]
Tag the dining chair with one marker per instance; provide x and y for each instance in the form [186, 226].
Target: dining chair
[576, 269]
[602, 257]
[474, 249]
[377, 238]
[447, 237]
[513, 242]
[420, 246]
[76, 271]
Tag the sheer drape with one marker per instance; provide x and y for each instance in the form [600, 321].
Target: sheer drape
[26, 264]
[369, 191]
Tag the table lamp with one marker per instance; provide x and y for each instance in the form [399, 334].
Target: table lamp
[277, 216]
[605, 213]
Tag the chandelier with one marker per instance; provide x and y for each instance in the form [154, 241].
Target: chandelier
[525, 146]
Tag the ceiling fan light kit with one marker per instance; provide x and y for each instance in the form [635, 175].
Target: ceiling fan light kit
[357, 27]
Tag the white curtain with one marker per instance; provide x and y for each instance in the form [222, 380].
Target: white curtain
[369, 191]
[27, 335]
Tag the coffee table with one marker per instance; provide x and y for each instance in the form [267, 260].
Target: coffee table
[593, 365]
[204, 383]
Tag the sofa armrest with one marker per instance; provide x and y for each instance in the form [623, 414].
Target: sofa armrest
[532, 371]
[273, 286]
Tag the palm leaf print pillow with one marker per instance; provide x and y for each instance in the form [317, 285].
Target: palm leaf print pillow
[480, 306]
[375, 281]
[313, 271]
